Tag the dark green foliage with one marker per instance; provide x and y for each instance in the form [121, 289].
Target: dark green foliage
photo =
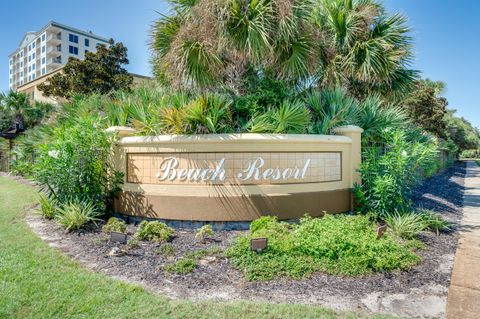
[100, 72]
[345, 245]
[114, 224]
[76, 164]
[389, 173]
[426, 108]
[17, 109]
[154, 231]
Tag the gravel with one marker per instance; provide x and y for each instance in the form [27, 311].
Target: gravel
[417, 292]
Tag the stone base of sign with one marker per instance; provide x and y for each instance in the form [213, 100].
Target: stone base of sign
[232, 208]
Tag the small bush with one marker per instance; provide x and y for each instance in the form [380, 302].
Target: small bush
[405, 225]
[345, 245]
[199, 254]
[114, 224]
[76, 214]
[133, 243]
[166, 250]
[154, 231]
[204, 232]
[47, 207]
[182, 266]
[433, 221]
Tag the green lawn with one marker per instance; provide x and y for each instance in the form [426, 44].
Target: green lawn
[36, 281]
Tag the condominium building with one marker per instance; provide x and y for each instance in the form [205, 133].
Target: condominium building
[48, 50]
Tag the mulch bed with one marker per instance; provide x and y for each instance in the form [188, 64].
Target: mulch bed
[399, 292]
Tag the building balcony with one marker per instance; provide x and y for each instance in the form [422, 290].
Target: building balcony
[54, 51]
[54, 38]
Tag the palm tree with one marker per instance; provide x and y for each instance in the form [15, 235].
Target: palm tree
[210, 44]
[372, 49]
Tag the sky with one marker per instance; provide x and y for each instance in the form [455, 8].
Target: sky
[446, 35]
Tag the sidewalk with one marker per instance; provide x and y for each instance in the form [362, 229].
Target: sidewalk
[464, 292]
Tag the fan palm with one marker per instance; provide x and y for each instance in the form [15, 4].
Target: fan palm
[208, 44]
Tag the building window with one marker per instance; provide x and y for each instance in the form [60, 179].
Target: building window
[87, 42]
[33, 67]
[43, 49]
[29, 47]
[33, 55]
[11, 62]
[43, 71]
[11, 71]
[43, 37]
[21, 64]
[73, 50]
[33, 76]
[29, 77]
[73, 38]
[43, 60]
[33, 45]
[86, 51]
[21, 54]
[21, 73]
[29, 58]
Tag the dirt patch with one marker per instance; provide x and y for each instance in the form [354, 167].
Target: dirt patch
[418, 292]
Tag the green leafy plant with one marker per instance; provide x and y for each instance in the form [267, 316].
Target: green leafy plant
[154, 231]
[48, 207]
[433, 221]
[114, 224]
[405, 225]
[182, 266]
[345, 245]
[389, 173]
[76, 214]
[204, 232]
[166, 250]
[76, 164]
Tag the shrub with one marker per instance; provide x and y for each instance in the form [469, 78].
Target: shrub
[345, 245]
[114, 224]
[433, 221]
[154, 231]
[76, 164]
[166, 249]
[47, 207]
[389, 173]
[204, 232]
[405, 225]
[201, 253]
[133, 243]
[75, 214]
[182, 266]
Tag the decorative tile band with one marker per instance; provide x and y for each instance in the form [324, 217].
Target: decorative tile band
[241, 168]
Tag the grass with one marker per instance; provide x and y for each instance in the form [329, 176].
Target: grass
[37, 281]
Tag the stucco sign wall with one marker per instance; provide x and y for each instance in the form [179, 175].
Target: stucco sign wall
[237, 177]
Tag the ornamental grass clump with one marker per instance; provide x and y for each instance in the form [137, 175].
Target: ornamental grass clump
[48, 207]
[76, 214]
[342, 245]
[405, 225]
[154, 231]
